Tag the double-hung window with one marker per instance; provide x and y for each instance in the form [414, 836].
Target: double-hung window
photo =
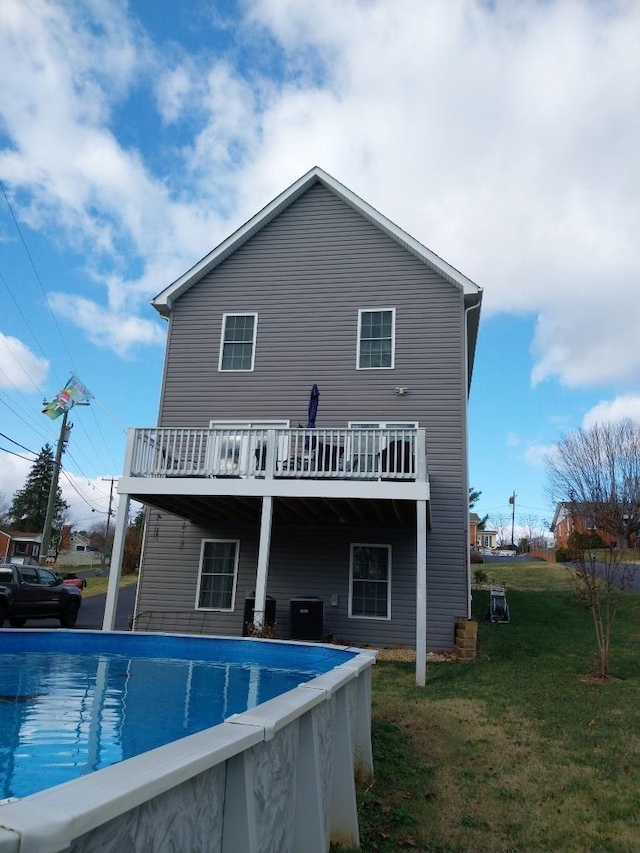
[218, 574]
[370, 582]
[238, 342]
[376, 338]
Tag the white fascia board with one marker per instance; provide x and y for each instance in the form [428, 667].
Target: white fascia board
[163, 301]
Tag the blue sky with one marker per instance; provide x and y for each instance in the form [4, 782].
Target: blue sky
[135, 136]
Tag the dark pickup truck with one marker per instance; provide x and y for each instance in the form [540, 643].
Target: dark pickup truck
[29, 592]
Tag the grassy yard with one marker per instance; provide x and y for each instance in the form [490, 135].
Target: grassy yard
[518, 750]
[97, 584]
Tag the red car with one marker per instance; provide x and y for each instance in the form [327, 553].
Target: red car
[72, 579]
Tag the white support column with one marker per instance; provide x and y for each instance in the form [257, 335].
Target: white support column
[421, 593]
[115, 570]
[263, 562]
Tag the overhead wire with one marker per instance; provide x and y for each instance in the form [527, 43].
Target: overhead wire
[36, 273]
[27, 325]
[81, 495]
[59, 331]
[17, 444]
[13, 453]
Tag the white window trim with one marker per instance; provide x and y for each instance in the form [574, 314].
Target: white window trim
[235, 542]
[362, 311]
[253, 314]
[353, 615]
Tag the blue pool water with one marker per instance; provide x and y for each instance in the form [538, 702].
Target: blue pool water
[74, 702]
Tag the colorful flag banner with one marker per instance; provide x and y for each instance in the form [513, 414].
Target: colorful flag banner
[73, 392]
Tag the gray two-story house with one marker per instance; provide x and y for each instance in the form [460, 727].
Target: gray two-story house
[308, 474]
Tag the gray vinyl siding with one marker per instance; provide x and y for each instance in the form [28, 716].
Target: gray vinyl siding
[306, 274]
[304, 561]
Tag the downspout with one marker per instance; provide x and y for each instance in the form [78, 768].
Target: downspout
[467, 390]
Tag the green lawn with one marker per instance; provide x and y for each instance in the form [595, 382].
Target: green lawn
[97, 584]
[518, 750]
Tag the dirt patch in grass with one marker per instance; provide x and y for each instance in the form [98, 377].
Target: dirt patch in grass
[403, 655]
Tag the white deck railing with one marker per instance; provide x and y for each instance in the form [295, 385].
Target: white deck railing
[371, 454]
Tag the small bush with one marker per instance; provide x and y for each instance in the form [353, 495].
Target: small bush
[564, 555]
[480, 577]
[476, 558]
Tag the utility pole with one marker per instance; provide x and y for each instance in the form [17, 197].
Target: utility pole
[512, 501]
[53, 488]
[111, 480]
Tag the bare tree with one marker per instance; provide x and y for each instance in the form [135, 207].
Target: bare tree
[499, 524]
[532, 531]
[5, 504]
[596, 473]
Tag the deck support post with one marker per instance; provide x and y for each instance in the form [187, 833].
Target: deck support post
[421, 593]
[115, 570]
[264, 546]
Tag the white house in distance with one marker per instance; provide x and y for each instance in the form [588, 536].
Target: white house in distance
[309, 466]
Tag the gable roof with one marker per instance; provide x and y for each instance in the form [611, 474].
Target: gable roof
[472, 292]
[21, 535]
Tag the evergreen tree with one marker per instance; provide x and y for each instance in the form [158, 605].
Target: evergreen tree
[29, 505]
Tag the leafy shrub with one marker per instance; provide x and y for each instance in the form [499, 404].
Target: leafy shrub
[480, 577]
[563, 555]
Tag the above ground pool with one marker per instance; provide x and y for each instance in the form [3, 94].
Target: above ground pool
[72, 703]
[277, 775]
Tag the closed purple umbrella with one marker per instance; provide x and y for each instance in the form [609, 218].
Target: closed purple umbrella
[313, 407]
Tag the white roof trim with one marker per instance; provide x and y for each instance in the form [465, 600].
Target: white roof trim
[163, 301]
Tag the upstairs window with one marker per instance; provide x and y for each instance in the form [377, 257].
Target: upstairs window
[238, 344]
[376, 338]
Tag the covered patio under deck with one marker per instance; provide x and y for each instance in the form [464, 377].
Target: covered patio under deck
[353, 477]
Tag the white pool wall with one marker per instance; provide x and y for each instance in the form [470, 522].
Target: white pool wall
[279, 778]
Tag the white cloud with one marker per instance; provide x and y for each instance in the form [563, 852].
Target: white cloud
[626, 406]
[107, 329]
[13, 473]
[536, 454]
[20, 368]
[513, 440]
[503, 136]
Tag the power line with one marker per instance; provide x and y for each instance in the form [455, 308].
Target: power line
[17, 444]
[6, 450]
[19, 416]
[62, 338]
[80, 494]
[37, 275]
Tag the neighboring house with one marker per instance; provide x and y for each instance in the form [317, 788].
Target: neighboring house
[355, 528]
[487, 539]
[574, 517]
[75, 548]
[18, 546]
[474, 521]
[480, 537]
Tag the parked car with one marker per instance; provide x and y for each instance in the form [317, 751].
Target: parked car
[72, 579]
[31, 592]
